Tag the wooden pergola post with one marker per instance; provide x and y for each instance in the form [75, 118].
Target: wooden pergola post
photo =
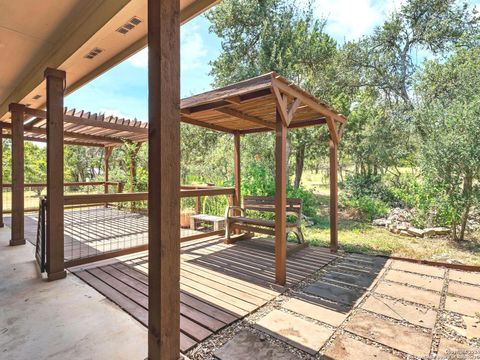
[108, 153]
[280, 201]
[55, 209]
[164, 179]
[1, 176]
[133, 166]
[236, 170]
[333, 196]
[18, 176]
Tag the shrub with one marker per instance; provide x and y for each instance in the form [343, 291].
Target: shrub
[369, 207]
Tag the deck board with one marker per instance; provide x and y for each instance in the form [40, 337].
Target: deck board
[219, 283]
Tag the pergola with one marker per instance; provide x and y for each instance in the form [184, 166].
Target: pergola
[269, 103]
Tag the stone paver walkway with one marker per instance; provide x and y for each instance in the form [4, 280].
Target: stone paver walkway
[364, 307]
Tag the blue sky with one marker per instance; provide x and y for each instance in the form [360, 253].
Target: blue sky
[122, 91]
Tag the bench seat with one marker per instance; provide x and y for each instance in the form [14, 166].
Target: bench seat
[250, 225]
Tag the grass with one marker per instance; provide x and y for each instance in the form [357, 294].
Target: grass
[361, 237]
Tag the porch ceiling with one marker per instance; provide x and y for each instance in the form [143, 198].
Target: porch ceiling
[60, 34]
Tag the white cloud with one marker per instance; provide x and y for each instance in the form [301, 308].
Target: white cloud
[192, 47]
[111, 112]
[140, 59]
[349, 20]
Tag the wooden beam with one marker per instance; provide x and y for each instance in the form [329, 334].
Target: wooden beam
[18, 176]
[164, 179]
[333, 197]
[280, 201]
[295, 125]
[292, 108]
[192, 121]
[1, 175]
[55, 212]
[281, 101]
[89, 121]
[243, 116]
[306, 99]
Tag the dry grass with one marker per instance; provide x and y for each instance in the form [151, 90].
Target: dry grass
[361, 237]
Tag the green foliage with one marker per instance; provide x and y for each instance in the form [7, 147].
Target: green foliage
[369, 208]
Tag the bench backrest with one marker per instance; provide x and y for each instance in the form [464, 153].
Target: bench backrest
[267, 203]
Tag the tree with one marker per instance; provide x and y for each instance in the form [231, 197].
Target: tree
[276, 35]
[448, 112]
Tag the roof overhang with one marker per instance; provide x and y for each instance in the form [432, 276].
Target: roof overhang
[60, 34]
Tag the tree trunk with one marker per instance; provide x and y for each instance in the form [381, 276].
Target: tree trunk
[299, 163]
[467, 193]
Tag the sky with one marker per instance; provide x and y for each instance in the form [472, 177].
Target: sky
[122, 91]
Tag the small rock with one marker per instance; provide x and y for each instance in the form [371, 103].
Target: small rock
[415, 232]
[441, 230]
[380, 222]
[405, 233]
[429, 232]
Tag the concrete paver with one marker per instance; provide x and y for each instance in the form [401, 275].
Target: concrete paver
[347, 348]
[345, 294]
[418, 268]
[295, 331]
[315, 311]
[423, 297]
[363, 280]
[422, 281]
[403, 338]
[401, 311]
[457, 351]
[465, 276]
[459, 305]
[247, 345]
[465, 290]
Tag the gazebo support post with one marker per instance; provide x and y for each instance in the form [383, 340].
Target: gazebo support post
[133, 166]
[18, 176]
[333, 197]
[164, 179]
[1, 176]
[55, 209]
[108, 153]
[236, 169]
[280, 201]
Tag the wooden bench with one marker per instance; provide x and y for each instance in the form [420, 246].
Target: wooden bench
[217, 221]
[253, 225]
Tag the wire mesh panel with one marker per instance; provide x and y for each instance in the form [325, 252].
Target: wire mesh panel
[99, 229]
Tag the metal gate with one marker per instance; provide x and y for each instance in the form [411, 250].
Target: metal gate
[40, 246]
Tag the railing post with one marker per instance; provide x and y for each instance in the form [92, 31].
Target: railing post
[18, 176]
[55, 192]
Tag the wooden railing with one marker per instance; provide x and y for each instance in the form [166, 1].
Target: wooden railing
[125, 205]
[31, 200]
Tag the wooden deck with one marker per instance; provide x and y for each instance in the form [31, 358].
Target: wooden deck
[219, 283]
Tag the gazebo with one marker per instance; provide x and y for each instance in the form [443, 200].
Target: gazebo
[269, 103]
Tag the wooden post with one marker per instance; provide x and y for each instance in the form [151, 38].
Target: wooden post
[18, 177]
[133, 166]
[280, 201]
[333, 197]
[55, 212]
[164, 179]
[236, 167]
[108, 153]
[1, 176]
